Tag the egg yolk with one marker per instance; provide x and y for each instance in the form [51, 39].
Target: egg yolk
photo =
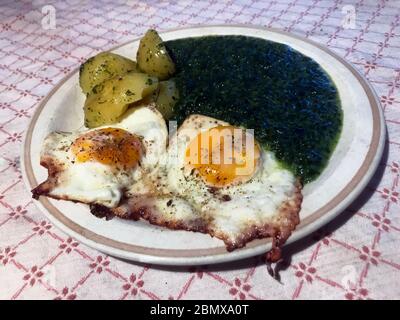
[223, 155]
[110, 146]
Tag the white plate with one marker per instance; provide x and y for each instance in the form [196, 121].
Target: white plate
[351, 166]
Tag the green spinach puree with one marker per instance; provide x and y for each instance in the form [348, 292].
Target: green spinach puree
[286, 97]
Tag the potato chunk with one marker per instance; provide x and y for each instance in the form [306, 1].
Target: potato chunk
[103, 66]
[110, 99]
[153, 58]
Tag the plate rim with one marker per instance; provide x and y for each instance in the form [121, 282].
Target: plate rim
[218, 254]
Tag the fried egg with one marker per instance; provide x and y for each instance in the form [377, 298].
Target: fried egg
[96, 166]
[216, 179]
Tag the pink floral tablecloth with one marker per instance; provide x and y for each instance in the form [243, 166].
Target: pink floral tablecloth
[356, 256]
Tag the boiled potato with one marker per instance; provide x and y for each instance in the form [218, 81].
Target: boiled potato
[101, 67]
[167, 97]
[101, 112]
[153, 58]
[110, 99]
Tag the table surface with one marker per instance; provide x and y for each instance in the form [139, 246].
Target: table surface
[354, 257]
